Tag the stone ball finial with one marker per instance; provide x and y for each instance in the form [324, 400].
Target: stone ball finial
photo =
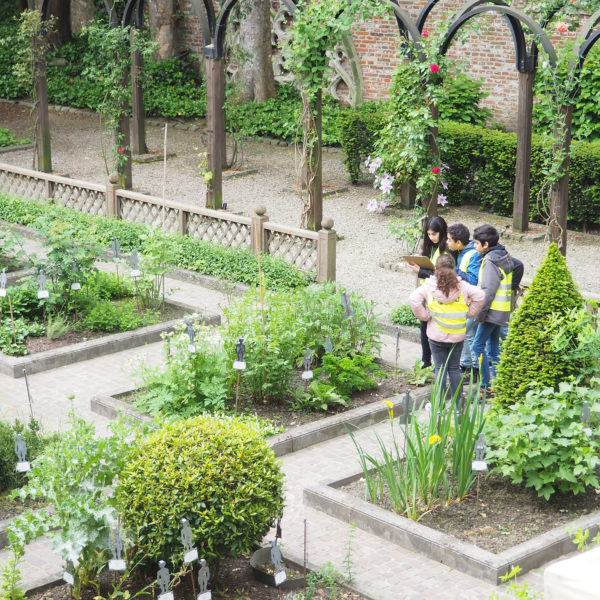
[114, 178]
[259, 211]
[327, 223]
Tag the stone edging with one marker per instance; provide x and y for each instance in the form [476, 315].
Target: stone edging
[13, 366]
[296, 438]
[18, 148]
[439, 546]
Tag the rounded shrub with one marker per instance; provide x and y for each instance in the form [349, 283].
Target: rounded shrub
[528, 359]
[216, 472]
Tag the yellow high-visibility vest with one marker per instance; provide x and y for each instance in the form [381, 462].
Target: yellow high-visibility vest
[502, 299]
[433, 258]
[465, 259]
[450, 317]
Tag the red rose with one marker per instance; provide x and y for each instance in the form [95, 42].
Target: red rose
[121, 149]
[435, 170]
[434, 68]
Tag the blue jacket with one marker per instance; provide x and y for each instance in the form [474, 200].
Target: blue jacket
[469, 263]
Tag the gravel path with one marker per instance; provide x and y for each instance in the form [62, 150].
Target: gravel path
[364, 241]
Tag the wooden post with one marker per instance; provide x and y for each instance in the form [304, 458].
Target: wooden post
[215, 117]
[42, 133]
[112, 208]
[123, 140]
[432, 207]
[326, 252]
[523, 164]
[408, 194]
[559, 200]
[181, 222]
[259, 239]
[138, 123]
[314, 165]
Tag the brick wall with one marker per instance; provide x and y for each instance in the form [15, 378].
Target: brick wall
[489, 56]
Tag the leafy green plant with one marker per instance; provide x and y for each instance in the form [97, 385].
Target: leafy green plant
[318, 396]
[350, 373]
[109, 316]
[218, 472]
[421, 375]
[516, 590]
[403, 315]
[14, 333]
[10, 578]
[527, 359]
[191, 380]
[8, 139]
[57, 326]
[541, 440]
[77, 474]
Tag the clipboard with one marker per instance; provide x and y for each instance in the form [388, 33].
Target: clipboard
[422, 261]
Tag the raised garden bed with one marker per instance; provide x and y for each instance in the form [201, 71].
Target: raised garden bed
[13, 366]
[330, 498]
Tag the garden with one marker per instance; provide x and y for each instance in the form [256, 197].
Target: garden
[167, 504]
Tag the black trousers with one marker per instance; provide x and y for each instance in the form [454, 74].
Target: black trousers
[425, 349]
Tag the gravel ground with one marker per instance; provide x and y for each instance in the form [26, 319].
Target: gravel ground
[364, 241]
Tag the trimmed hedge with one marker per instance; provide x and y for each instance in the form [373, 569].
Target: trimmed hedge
[482, 171]
[233, 264]
[217, 472]
[527, 359]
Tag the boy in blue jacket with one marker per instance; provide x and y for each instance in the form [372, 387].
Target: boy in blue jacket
[468, 263]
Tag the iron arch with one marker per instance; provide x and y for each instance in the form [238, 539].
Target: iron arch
[45, 9]
[128, 18]
[516, 17]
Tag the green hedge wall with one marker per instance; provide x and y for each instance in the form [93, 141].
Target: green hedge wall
[482, 171]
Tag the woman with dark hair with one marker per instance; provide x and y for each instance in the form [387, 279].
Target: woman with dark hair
[434, 244]
[443, 303]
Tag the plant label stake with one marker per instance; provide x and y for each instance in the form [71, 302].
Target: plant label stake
[3, 282]
[42, 291]
[68, 576]
[21, 451]
[192, 336]
[406, 410]
[134, 261]
[276, 558]
[116, 563]
[190, 554]
[28, 393]
[239, 364]
[348, 311]
[187, 539]
[308, 358]
[163, 579]
[585, 417]
[397, 349]
[479, 465]
[328, 345]
[76, 285]
[115, 248]
[203, 578]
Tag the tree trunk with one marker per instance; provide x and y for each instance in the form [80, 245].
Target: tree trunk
[161, 20]
[256, 72]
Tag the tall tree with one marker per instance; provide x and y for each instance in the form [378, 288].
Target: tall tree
[255, 71]
[160, 13]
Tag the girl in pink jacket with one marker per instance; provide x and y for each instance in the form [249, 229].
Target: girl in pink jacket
[445, 302]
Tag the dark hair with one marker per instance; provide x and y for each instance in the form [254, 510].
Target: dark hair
[439, 225]
[459, 233]
[445, 275]
[486, 233]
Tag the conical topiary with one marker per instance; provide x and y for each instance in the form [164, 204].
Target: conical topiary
[527, 357]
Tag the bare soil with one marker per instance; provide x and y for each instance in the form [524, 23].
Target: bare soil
[500, 515]
[236, 581]
[12, 508]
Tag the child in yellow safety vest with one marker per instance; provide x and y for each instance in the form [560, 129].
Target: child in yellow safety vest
[443, 303]
[434, 245]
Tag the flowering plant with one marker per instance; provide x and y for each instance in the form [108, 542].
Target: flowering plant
[384, 182]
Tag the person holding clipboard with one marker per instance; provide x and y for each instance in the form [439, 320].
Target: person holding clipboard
[434, 245]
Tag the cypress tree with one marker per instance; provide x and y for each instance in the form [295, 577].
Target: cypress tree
[527, 358]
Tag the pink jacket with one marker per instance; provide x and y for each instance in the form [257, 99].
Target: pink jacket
[474, 297]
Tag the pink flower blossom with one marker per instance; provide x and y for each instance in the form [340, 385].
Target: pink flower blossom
[434, 68]
[442, 200]
[562, 27]
[382, 206]
[386, 183]
[444, 185]
[372, 205]
[425, 33]
[373, 165]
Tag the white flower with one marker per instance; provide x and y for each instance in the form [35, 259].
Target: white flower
[372, 205]
[442, 200]
[386, 183]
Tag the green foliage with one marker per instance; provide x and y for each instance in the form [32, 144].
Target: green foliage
[218, 472]
[35, 441]
[541, 440]
[433, 461]
[109, 316]
[57, 326]
[350, 373]
[403, 315]
[14, 333]
[528, 358]
[77, 474]
[192, 379]
[421, 375]
[8, 139]
[234, 264]
[24, 301]
[317, 396]
[10, 578]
